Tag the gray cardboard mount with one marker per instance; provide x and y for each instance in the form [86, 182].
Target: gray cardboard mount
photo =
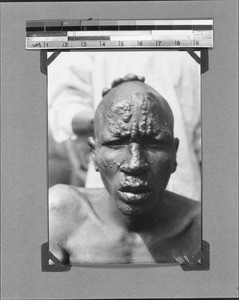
[24, 161]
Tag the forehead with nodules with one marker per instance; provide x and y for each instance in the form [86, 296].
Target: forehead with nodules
[133, 108]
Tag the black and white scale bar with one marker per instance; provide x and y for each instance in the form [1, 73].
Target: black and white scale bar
[61, 34]
[96, 25]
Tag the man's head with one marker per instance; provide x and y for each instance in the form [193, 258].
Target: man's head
[134, 147]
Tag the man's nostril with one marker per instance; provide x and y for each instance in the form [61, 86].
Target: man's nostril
[132, 167]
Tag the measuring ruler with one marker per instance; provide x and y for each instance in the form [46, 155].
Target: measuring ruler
[106, 34]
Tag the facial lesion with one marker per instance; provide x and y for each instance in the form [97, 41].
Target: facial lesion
[136, 117]
[150, 117]
[123, 107]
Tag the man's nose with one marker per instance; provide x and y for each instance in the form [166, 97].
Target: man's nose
[137, 162]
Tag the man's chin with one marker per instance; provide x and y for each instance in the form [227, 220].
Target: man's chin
[129, 211]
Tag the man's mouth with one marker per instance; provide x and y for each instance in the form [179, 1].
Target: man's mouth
[135, 189]
[135, 194]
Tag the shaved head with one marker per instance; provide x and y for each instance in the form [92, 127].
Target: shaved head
[133, 98]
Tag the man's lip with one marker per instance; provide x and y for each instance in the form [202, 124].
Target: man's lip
[141, 189]
[135, 197]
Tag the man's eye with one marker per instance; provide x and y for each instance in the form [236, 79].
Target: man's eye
[155, 143]
[115, 143]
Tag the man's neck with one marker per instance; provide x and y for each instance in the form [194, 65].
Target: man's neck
[139, 222]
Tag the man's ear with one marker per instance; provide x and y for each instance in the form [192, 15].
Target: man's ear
[176, 144]
[91, 142]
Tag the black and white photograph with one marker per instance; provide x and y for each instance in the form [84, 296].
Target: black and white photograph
[124, 157]
[119, 149]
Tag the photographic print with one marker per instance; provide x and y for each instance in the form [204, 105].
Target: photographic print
[100, 194]
[124, 157]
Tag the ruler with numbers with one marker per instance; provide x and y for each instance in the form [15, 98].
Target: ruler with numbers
[111, 34]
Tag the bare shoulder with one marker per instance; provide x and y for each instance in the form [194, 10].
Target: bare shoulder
[186, 214]
[64, 198]
[64, 205]
[69, 208]
[187, 210]
[61, 194]
[72, 203]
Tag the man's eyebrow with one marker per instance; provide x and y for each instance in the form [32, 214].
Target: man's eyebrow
[163, 135]
[114, 137]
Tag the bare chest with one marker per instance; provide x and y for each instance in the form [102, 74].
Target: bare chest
[99, 244]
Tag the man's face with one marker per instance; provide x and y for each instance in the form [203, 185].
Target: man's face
[135, 153]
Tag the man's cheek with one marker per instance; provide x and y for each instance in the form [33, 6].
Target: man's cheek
[108, 160]
[162, 164]
[107, 165]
